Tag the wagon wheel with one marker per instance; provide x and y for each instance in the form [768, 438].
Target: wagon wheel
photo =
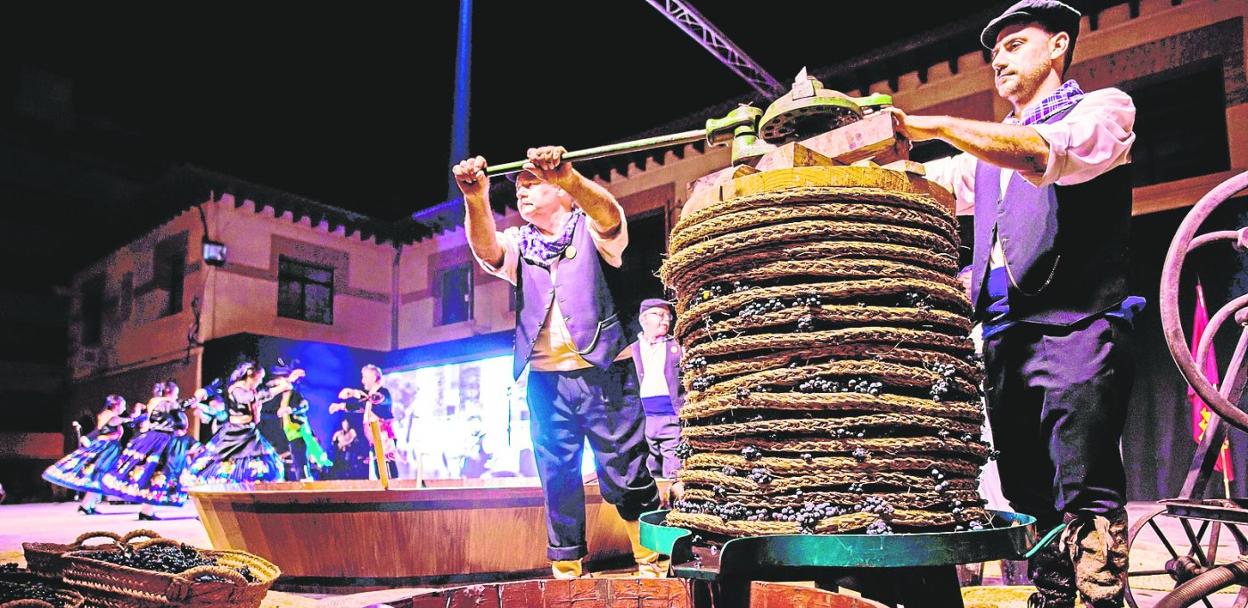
[1190, 545]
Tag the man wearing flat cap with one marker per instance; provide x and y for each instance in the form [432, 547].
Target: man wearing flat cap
[568, 335]
[656, 356]
[1051, 195]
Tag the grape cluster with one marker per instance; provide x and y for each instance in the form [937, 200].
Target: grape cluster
[864, 386]
[917, 300]
[729, 471]
[162, 558]
[683, 450]
[710, 293]
[731, 510]
[29, 590]
[743, 393]
[702, 383]
[806, 323]
[695, 364]
[877, 505]
[972, 525]
[879, 526]
[751, 453]
[760, 475]
[948, 370]
[738, 287]
[819, 385]
[810, 300]
[759, 308]
[861, 454]
[939, 388]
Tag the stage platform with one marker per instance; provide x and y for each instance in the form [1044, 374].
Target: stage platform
[60, 522]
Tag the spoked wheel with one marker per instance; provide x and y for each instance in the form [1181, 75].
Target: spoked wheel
[1166, 550]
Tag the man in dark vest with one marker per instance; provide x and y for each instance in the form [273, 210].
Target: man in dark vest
[568, 335]
[1051, 197]
[656, 357]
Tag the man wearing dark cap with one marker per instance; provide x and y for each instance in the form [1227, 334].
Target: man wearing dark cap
[568, 335]
[657, 359]
[1051, 195]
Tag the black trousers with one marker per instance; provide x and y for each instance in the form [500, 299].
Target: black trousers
[565, 409]
[1057, 401]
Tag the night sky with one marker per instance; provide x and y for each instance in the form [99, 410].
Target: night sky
[351, 106]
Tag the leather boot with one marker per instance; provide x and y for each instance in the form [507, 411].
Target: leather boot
[1097, 545]
[1054, 577]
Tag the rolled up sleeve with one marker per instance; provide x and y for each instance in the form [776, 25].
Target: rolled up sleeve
[509, 240]
[1093, 139]
[957, 175]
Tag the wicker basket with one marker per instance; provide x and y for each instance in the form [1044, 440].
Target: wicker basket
[46, 559]
[69, 599]
[114, 586]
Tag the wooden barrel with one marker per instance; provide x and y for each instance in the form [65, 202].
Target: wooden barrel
[331, 535]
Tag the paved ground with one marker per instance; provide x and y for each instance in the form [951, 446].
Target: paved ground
[59, 522]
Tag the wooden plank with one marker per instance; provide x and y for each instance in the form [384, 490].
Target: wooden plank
[867, 138]
[907, 166]
[1177, 194]
[792, 154]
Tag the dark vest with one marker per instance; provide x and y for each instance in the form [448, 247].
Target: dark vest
[1065, 246]
[584, 299]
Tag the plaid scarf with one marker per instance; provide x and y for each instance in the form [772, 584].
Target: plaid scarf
[1065, 96]
[542, 250]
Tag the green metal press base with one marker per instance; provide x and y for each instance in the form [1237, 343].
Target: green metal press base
[915, 569]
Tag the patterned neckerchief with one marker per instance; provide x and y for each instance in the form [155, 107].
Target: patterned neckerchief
[542, 250]
[1065, 96]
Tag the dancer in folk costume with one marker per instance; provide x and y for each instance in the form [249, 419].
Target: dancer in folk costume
[238, 452]
[83, 468]
[150, 468]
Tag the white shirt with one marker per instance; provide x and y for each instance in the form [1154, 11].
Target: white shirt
[1095, 137]
[653, 362]
[554, 349]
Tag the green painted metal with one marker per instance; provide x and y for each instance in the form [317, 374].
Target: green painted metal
[1044, 542]
[874, 100]
[658, 537]
[627, 147]
[1011, 536]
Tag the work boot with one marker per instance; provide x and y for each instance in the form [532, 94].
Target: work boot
[1097, 545]
[1053, 574]
[650, 564]
[566, 570]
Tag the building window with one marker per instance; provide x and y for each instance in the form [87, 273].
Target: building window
[170, 275]
[455, 294]
[92, 311]
[1180, 124]
[305, 291]
[169, 272]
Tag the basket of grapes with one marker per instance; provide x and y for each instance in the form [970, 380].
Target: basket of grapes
[165, 573]
[25, 589]
[48, 559]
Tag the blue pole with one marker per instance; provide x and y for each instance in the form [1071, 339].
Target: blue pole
[463, 73]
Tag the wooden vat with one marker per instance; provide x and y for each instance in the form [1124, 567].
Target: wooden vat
[331, 535]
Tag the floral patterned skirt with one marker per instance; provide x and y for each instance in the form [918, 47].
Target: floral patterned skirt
[150, 469]
[84, 468]
[237, 453]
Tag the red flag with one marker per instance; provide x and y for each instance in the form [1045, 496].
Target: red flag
[1200, 411]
